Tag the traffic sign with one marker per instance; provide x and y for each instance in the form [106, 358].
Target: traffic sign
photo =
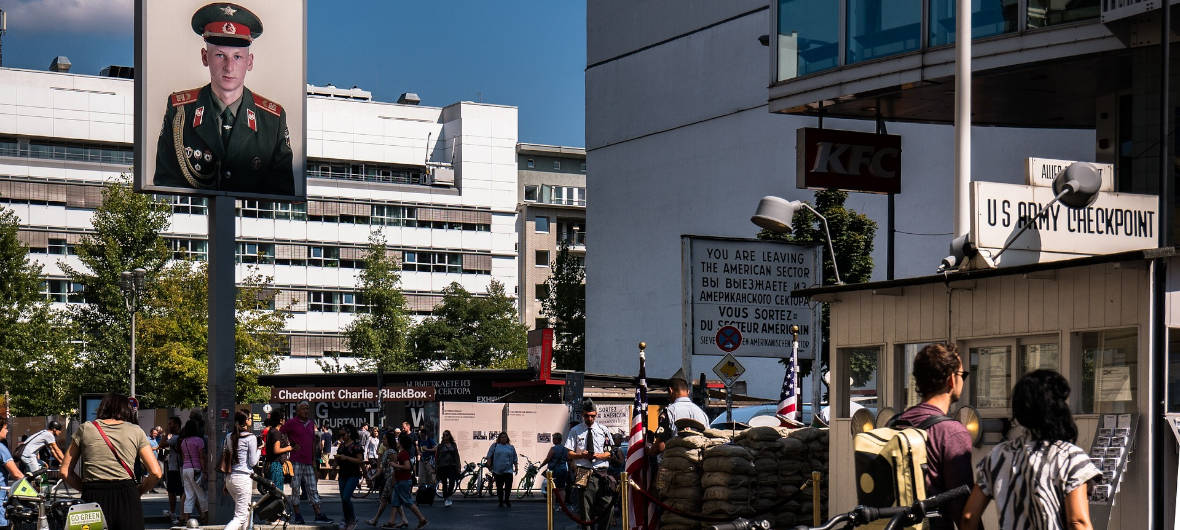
[729, 369]
[729, 338]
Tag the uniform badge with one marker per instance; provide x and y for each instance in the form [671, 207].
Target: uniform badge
[188, 152]
[197, 167]
[208, 156]
[256, 163]
[198, 115]
[229, 28]
[229, 11]
[251, 120]
[287, 136]
[197, 154]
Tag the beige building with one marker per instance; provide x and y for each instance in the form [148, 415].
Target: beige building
[551, 210]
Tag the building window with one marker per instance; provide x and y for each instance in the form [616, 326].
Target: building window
[323, 302]
[808, 37]
[542, 258]
[541, 323]
[1042, 13]
[263, 253]
[323, 256]
[541, 291]
[583, 167]
[61, 248]
[557, 165]
[290, 211]
[256, 209]
[432, 262]
[531, 163]
[62, 291]
[185, 204]
[863, 367]
[542, 225]
[1109, 371]
[878, 30]
[987, 18]
[189, 249]
[530, 193]
[383, 214]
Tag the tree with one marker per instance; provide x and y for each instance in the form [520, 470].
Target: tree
[127, 235]
[466, 332]
[36, 355]
[565, 307]
[378, 336]
[852, 238]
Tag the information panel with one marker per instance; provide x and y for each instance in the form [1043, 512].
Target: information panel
[738, 296]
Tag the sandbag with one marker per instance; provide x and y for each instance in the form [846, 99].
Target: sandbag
[679, 465]
[736, 465]
[726, 508]
[692, 441]
[730, 450]
[724, 480]
[690, 453]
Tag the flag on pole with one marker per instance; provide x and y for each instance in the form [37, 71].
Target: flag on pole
[642, 512]
[788, 398]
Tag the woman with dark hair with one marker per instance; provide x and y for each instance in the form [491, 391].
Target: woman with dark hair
[244, 457]
[502, 459]
[107, 448]
[192, 470]
[278, 448]
[1038, 477]
[558, 461]
[403, 476]
[384, 474]
[349, 457]
[448, 465]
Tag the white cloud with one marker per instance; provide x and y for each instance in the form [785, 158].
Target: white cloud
[109, 17]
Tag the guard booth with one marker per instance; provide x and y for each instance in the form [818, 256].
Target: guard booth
[1088, 318]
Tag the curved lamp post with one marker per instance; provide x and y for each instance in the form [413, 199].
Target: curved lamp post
[777, 215]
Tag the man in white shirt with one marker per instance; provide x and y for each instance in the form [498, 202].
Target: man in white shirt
[680, 408]
[46, 438]
[589, 445]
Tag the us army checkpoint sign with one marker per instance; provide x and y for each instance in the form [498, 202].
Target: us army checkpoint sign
[729, 369]
[738, 296]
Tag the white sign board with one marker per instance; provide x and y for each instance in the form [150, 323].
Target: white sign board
[616, 417]
[1116, 222]
[729, 369]
[746, 285]
[1042, 171]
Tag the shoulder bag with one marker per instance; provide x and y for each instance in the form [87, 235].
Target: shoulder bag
[115, 452]
[225, 462]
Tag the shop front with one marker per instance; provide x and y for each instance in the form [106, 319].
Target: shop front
[1089, 319]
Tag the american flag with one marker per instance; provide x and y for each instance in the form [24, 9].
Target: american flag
[788, 398]
[642, 513]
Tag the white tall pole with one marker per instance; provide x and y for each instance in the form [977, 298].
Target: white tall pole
[962, 220]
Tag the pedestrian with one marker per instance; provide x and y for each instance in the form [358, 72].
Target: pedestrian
[557, 459]
[369, 446]
[326, 449]
[939, 378]
[278, 448]
[426, 450]
[680, 408]
[8, 469]
[350, 458]
[45, 439]
[589, 445]
[244, 456]
[403, 477]
[301, 431]
[193, 453]
[106, 449]
[173, 482]
[1039, 477]
[384, 476]
[503, 462]
[448, 465]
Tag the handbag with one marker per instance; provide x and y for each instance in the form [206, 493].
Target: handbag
[288, 468]
[114, 452]
[225, 462]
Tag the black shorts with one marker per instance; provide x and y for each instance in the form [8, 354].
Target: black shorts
[175, 483]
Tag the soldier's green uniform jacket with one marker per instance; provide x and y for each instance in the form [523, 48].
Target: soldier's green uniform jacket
[256, 159]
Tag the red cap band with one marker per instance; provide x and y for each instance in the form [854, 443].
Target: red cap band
[227, 29]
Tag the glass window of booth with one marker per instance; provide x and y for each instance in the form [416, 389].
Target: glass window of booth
[991, 375]
[909, 393]
[1109, 368]
[863, 367]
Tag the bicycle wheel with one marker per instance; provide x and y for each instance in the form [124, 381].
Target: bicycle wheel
[470, 486]
[366, 485]
[490, 482]
[525, 487]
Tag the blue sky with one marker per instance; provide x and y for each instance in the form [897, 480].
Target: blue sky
[527, 53]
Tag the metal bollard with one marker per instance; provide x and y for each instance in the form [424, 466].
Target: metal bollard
[816, 490]
[549, 499]
[624, 501]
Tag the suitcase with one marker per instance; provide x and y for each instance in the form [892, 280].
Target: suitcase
[425, 495]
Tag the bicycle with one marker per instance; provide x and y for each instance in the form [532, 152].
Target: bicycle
[900, 516]
[479, 481]
[525, 487]
[371, 481]
[468, 469]
[34, 503]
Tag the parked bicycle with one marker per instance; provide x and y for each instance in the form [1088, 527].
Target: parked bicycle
[478, 482]
[40, 500]
[372, 480]
[525, 486]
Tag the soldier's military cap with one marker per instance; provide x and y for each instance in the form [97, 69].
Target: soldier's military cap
[225, 24]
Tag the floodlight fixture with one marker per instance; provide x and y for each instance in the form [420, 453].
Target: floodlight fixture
[777, 215]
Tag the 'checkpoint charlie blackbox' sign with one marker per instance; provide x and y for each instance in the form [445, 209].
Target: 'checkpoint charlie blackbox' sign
[743, 288]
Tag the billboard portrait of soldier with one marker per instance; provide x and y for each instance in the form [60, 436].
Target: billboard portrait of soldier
[223, 134]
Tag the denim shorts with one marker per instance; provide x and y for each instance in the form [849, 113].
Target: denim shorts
[401, 494]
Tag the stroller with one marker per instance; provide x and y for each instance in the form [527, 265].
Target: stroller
[272, 505]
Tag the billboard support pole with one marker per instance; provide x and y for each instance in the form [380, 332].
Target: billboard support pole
[222, 302]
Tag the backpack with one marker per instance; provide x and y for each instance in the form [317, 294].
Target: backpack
[891, 463]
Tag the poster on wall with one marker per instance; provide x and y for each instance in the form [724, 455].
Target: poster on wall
[220, 98]
[530, 430]
[474, 426]
[616, 417]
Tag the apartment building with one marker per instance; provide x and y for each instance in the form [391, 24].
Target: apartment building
[62, 135]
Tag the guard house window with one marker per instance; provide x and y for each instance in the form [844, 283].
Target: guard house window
[1109, 371]
[530, 193]
[1039, 355]
[862, 365]
[542, 258]
[909, 392]
[542, 225]
[991, 375]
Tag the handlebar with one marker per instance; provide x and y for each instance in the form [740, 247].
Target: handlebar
[899, 515]
[743, 524]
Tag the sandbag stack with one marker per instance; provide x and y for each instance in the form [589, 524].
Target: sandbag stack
[678, 482]
[764, 443]
[811, 447]
[728, 481]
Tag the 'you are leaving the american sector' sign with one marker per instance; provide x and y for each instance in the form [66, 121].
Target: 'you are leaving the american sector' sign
[738, 296]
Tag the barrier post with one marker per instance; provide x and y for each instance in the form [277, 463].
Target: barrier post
[549, 499]
[624, 503]
[816, 490]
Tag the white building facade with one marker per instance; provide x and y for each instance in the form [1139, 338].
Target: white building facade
[63, 135]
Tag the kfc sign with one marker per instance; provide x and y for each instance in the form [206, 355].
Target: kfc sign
[847, 160]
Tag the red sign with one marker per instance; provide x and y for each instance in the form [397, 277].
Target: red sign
[541, 352]
[729, 338]
[847, 160]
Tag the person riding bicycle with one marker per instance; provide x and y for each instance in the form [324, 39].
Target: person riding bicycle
[45, 439]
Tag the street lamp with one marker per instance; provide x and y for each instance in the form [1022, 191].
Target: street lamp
[132, 282]
[776, 214]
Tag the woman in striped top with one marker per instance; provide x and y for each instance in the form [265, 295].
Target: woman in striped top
[1038, 478]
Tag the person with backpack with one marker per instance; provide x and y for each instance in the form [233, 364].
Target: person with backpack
[29, 452]
[939, 378]
[1038, 477]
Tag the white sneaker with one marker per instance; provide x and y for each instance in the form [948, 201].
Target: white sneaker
[447, 503]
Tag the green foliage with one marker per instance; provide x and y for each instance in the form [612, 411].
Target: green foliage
[565, 307]
[852, 239]
[36, 356]
[378, 337]
[466, 331]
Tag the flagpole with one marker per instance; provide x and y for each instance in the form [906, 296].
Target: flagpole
[795, 371]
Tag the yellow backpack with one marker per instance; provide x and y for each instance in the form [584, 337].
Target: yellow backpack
[891, 464]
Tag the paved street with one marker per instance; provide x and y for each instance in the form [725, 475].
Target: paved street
[465, 514]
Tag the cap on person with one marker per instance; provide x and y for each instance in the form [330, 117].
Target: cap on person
[225, 24]
[589, 406]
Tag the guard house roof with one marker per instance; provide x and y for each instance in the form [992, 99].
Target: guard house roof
[1133, 255]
